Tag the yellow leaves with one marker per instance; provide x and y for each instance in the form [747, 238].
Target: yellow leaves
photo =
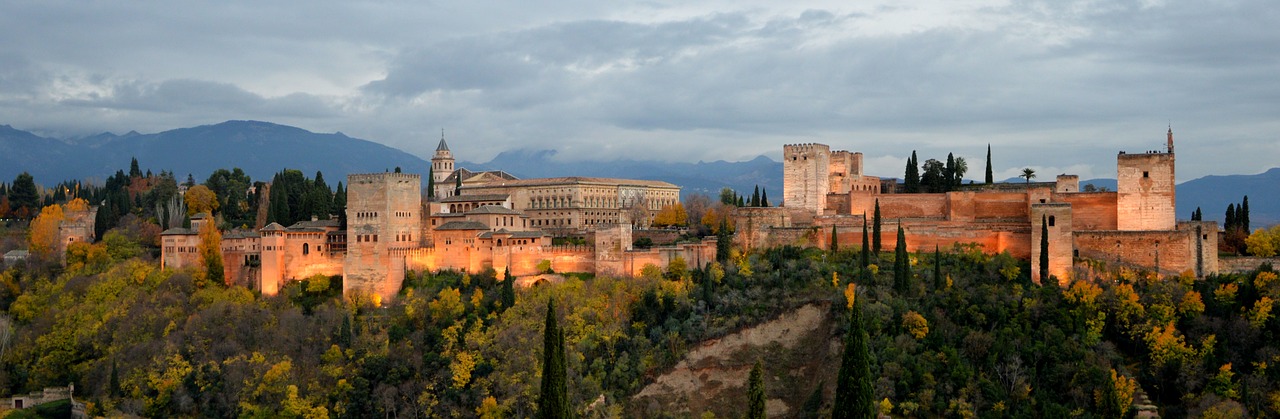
[210, 251]
[1261, 312]
[461, 367]
[1223, 383]
[447, 306]
[317, 283]
[489, 409]
[78, 204]
[717, 272]
[1191, 304]
[651, 271]
[850, 294]
[274, 379]
[1226, 293]
[1267, 283]
[477, 298]
[43, 234]
[875, 269]
[885, 407]
[1082, 292]
[1264, 242]
[835, 279]
[1116, 398]
[671, 215]
[1167, 346]
[293, 406]
[915, 324]
[200, 199]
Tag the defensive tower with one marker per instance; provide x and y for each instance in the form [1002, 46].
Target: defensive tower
[805, 180]
[1145, 187]
[384, 222]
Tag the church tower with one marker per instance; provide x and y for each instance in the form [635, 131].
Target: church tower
[441, 168]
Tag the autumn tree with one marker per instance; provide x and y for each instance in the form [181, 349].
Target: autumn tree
[671, 216]
[200, 199]
[43, 234]
[210, 250]
[1116, 398]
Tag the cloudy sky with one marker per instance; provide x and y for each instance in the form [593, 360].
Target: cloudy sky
[1056, 85]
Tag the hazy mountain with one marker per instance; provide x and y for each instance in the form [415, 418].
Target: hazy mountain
[260, 148]
[1212, 194]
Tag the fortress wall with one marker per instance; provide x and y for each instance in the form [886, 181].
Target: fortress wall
[1175, 249]
[658, 236]
[910, 206]
[999, 205]
[1092, 210]
[1056, 220]
[923, 238]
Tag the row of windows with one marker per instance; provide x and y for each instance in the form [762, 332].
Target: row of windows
[366, 214]
[180, 249]
[365, 238]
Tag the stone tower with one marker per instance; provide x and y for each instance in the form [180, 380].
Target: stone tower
[1145, 189]
[1057, 217]
[441, 167]
[805, 180]
[384, 221]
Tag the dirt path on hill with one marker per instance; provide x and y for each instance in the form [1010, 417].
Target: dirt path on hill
[796, 348]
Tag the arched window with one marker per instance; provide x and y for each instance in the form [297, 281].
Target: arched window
[1051, 221]
[306, 249]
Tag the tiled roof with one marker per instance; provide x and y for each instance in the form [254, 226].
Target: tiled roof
[476, 198]
[572, 180]
[178, 231]
[494, 209]
[463, 225]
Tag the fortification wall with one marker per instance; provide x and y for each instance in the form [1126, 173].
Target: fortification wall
[910, 206]
[999, 205]
[1245, 264]
[1092, 210]
[1056, 220]
[1172, 252]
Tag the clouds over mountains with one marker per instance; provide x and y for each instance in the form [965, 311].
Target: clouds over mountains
[1050, 84]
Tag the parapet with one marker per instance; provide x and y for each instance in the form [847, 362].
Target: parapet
[376, 177]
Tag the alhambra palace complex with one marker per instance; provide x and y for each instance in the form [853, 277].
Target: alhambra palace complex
[494, 220]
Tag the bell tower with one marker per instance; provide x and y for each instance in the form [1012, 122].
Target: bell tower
[441, 168]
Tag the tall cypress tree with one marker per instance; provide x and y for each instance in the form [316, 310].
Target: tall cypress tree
[1044, 248]
[755, 197]
[835, 244]
[912, 182]
[1244, 214]
[457, 184]
[755, 392]
[990, 179]
[431, 187]
[723, 241]
[508, 290]
[901, 264]
[1230, 223]
[875, 231]
[949, 173]
[854, 397]
[866, 246]
[938, 281]
[553, 400]
[764, 197]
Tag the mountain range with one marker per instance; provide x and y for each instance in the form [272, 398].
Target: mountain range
[262, 149]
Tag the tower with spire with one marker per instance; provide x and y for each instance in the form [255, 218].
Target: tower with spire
[1170, 138]
[441, 168]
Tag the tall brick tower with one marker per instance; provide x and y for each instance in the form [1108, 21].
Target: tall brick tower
[383, 221]
[441, 167]
[1145, 186]
[805, 180]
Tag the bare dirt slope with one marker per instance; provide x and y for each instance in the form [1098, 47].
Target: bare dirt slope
[797, 350]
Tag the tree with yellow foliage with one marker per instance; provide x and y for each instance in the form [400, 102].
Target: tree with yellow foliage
[915, 324]
[43, 236]
[671, 216]
[1115, 400]
[210, 250]
[75, 205]
[200, 199]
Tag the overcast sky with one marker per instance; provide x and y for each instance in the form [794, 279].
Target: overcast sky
[1056, 85]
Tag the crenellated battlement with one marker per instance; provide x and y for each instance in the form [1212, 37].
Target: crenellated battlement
[378, 177]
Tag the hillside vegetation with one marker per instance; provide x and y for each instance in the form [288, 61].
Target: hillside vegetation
[978, 339]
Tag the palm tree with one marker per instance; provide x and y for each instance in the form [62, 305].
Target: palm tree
[1028, 173]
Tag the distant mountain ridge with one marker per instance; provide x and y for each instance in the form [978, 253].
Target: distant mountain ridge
[264, 148]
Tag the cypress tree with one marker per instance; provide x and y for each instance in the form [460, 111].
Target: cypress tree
[866, 247]
[1230, 223]
[990, 179]
[431, 187]
[457, 184]
[113, 385]
[1244, 214]
[901, 264]
[835, 245]
[723, 241]
[755, 393]
[508, 290]
[938, 281]
[1044, 248]
[755, 197]
[912, 182]
[741, 203]
[764, 197]
[949, 173]
[553, 400]
[813, 404]
[875, 231]
[344, 332]
[853, 397]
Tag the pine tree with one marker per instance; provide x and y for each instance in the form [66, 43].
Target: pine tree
[1044, 248]
[875, 231]
[835, 245]
[508, 290]
[901, 264]
[553, 399]
[764, 197]
[990, 179]
[755, 393]
[853, 398]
